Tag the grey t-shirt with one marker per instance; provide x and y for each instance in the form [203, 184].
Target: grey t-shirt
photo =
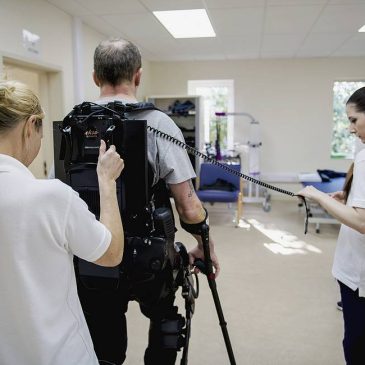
[168, 161]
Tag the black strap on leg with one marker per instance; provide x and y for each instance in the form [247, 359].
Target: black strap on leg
[189, 293]
[167, 333]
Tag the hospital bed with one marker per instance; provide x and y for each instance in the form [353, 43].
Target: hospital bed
[317, 214]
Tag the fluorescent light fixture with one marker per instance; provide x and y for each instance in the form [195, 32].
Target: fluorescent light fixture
[186, 23]
[362, 29]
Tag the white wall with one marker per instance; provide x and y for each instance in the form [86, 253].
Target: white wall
[292, 99]
[91, 39]
[144, 90]
[56, 44]
[54, 28]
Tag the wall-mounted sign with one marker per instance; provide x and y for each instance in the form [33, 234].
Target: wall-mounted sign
[31, 42]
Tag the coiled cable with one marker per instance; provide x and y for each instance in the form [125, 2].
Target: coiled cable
[195, 152]
[132, 108]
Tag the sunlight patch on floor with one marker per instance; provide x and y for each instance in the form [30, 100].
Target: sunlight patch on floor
[284, 243]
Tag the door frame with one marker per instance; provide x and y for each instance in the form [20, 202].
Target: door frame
[51, 92]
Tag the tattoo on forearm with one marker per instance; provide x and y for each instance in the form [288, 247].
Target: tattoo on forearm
[191, 192]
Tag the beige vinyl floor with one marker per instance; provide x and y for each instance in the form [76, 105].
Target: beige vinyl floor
[276, 290]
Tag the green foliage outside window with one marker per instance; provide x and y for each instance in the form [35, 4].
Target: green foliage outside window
[343, 143]
[218, 103]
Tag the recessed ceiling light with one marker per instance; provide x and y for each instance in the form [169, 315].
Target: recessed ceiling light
[186, 23]
[362, 29]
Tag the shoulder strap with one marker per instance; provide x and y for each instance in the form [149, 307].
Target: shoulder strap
[119, 107]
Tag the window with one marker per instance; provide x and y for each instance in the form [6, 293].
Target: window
[217, 97]
[343, 143]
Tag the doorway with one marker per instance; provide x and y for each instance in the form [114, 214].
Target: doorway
[47, 85]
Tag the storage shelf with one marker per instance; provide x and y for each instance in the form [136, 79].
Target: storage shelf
[190, 124]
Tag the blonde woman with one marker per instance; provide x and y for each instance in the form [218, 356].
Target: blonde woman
[43, 223]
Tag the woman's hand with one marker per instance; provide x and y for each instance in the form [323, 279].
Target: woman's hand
[311, 192]
[110, 165]
[339, 196]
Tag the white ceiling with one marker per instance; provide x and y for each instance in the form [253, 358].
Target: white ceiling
[246, 29]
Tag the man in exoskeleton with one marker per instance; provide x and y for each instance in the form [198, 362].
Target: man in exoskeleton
[117, 72]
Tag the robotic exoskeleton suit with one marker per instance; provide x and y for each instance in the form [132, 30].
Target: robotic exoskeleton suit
[153, 265]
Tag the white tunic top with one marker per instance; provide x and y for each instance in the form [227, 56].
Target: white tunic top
[349, 262]
[43, 224]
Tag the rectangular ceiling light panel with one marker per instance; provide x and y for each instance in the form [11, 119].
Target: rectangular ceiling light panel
[186, 23]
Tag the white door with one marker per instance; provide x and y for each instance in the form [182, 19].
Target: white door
[32, 78]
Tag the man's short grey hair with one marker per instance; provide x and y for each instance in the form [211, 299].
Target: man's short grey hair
[116, 60]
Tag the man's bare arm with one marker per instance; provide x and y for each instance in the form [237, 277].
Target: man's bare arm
[190, 210]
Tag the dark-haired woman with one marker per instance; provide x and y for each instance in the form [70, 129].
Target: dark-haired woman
[349, 262]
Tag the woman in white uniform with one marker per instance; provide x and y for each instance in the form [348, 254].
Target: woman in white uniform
[349, 263]
[43, 224]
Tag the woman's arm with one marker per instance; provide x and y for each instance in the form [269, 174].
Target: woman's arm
[350, 216]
